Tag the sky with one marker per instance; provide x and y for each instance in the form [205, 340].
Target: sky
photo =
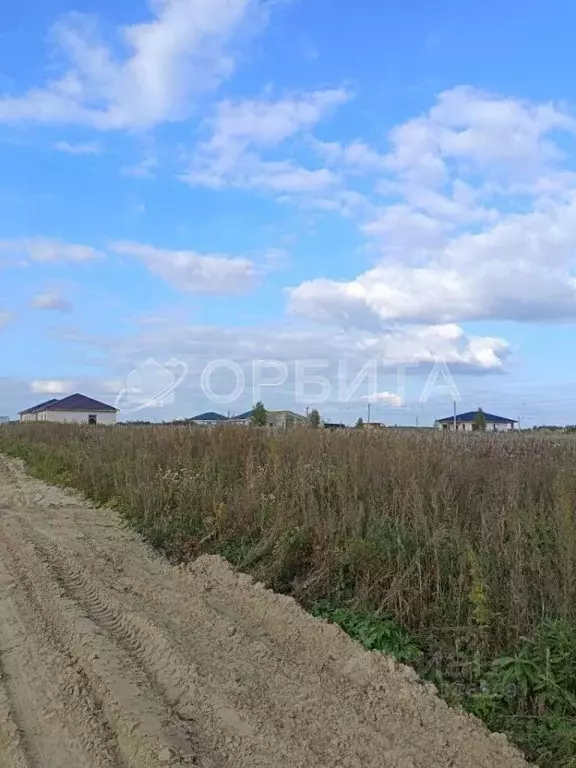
[204, 203]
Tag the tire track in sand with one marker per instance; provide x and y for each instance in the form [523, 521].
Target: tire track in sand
[230, 739]
[47, 716]
[199, 665]
[12, 753]
[142, 728]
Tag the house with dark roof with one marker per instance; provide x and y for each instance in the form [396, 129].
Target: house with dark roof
[208, 419]
[470, 421]
[275, 419]
[30, 413]
[77, 409]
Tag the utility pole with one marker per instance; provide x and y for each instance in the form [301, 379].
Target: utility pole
[368, 422]
[454, 404]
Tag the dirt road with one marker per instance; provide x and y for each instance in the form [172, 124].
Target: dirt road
[111, 657]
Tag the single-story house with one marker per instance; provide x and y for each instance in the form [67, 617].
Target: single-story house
[76, 408]
[277, 419]
[30, 414]
[467, 422]
[208, 419]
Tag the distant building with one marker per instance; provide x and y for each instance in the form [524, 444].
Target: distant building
[31, 414]
[209, 419]
[77, 409]
[277, 419]
[468, 422]
[333, 425]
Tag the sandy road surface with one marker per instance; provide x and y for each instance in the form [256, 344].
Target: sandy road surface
[110, 657]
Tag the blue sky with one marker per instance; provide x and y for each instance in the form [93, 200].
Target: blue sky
[339, 184]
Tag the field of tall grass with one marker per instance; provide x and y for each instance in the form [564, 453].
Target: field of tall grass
[454, 552]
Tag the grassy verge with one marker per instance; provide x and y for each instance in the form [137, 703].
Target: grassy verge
[457, 554]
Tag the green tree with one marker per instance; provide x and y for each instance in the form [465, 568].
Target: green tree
[259, 415]
[314, 418]
[359, 423]
[480, 420]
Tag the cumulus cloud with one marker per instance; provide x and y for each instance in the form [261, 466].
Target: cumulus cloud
[477, 221]
[226, 358]
[49, 249]
[183, 50]
[163, 338]
[238, 124]
[52, 302]
[385, 398]
[242, 132]
[192, 272]
[52, 387]
[356, 156]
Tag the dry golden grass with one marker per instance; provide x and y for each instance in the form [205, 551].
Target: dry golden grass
[459, 535]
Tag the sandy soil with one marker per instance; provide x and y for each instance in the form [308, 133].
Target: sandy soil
[111, 657]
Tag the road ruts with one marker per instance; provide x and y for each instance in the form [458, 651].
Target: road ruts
[110, 657]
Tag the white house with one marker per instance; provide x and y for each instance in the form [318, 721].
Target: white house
[30, 413]
[467, 422]
[77, 409]
[276, 419]
[209, 419]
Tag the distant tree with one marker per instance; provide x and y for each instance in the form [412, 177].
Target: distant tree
[480, 420]
[359, 423]
[259, 415]
[314, 418]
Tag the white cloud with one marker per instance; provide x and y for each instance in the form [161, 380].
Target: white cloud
[88, 148]
[242, 131]
[284, 176]
[49, 249]
[336, 199]
[356, 156]
[385, 398]
[181, 52]
[54, 302]
[192, 272]
[51, 387]
[481, 222]
[196, 345]
[240, 124]
[498, 134]
[338, 355]
[251, 172]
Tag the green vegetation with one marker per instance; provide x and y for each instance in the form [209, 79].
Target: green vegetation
[259, 415]
[455, 553]
[314, 419]
[480, 420]
[530, 695]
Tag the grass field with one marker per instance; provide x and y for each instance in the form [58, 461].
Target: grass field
[456, 553]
